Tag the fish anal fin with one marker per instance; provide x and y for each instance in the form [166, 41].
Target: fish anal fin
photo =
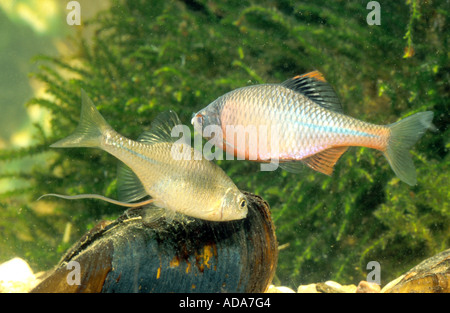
[129, 187]
[314, 86]
[324, 161]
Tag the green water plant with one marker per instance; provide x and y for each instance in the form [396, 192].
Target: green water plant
[150, 56]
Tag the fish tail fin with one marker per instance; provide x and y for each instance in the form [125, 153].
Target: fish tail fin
[404, 134]
[90, 130]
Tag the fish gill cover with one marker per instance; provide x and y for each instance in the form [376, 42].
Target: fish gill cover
[146, 57]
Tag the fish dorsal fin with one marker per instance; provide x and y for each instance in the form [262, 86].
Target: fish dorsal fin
[315, 87]
[129, 187]
[161, 129]
[322, 162]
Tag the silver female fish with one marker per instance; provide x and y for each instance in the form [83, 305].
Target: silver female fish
[196, 188]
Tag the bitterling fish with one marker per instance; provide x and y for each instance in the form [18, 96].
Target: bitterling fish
[306, 116]
[194, 187]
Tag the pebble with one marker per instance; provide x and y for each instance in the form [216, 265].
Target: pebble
[279, 289]
[327, 287]
[334, 287]
[311, 288]
[366, 287]
[16, 276]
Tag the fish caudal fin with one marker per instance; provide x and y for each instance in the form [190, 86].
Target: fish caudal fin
[90, 130]
[404, 135]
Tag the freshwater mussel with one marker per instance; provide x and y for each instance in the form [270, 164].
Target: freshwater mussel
[130, 255]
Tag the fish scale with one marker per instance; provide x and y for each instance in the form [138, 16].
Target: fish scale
[313, 126]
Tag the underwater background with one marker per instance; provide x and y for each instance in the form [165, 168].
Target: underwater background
[138, 58]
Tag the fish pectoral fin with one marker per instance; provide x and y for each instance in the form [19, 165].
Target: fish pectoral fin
[314, 86]
[155, 216]
[152, 214]
[324, 161]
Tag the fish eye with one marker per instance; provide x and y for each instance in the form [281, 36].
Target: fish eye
[199, 119]
[243, 204]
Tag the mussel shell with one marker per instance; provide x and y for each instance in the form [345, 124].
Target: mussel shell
[430, 276]
[129, 255]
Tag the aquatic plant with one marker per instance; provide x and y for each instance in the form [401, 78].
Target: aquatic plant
[148, 57]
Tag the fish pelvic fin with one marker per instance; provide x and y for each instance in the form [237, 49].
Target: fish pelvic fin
[90, 130]
[404, 134]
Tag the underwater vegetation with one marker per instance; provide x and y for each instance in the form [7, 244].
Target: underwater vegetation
[147, 57]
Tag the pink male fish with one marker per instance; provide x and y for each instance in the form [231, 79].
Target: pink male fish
[306, 115]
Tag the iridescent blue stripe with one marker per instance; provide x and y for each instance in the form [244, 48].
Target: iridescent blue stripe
[337, 130]
[120, 145]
